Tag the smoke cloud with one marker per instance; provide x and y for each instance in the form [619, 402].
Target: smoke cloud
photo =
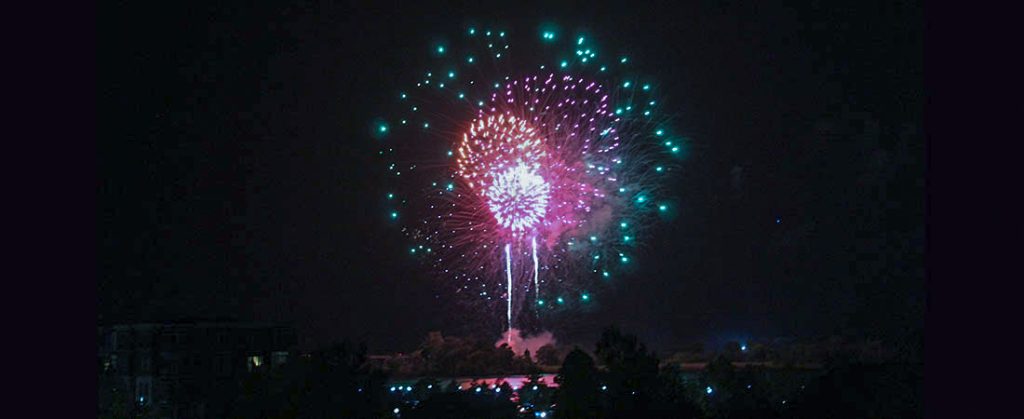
[520, 344]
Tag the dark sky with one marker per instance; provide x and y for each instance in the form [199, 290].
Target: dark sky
[237, 177]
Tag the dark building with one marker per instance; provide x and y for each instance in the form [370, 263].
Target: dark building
[184, 369]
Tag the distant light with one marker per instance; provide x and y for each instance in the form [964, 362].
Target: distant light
[626, 84]
[440, 49]
[664, 207]
[603, 388]
[469, 60]
[478, 389]
[579, 41]
[497, 390]
[778, 220]
[623, 224]
[603, 68]
[543, 414]
[675, 149]
[404, 95]
[593, 238]
[472, 31]
[392, 388]
[647, 87]
[626, 238]
[625, 259]
[565, 64]
[605, 274]
[640, 198]
[426, 125]
[659, 169]
[743, 348]
[501, 34]
[450, 186]
[409, 388]
[623, 60]
[391, 196]
[748, 386]
[396, 410]
[394, 215]
[383, 128]
[540, 302]
[708, 390]
[430, 386]
[561, 300]
[585, 297]
[534, 387]
[659, 132]
[451, 74]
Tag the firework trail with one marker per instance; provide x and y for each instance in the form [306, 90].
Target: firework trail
[514, 171]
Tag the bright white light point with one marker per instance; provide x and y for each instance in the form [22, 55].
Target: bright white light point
[518, 198]
[579, 41]
[626, 84]
[396, 410]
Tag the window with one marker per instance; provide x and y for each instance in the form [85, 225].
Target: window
[143, 389]
[222, 364]
[255, 362]
[279, 358]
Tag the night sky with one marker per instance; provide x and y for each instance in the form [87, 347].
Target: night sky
[237, 178]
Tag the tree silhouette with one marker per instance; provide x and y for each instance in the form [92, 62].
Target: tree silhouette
[578, 392]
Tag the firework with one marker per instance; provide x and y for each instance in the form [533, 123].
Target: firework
[520, 175]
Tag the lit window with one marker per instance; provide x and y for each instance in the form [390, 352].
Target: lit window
[254, 362]
[279, 358]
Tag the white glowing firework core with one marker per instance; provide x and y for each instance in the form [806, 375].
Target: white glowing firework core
[518, 198]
